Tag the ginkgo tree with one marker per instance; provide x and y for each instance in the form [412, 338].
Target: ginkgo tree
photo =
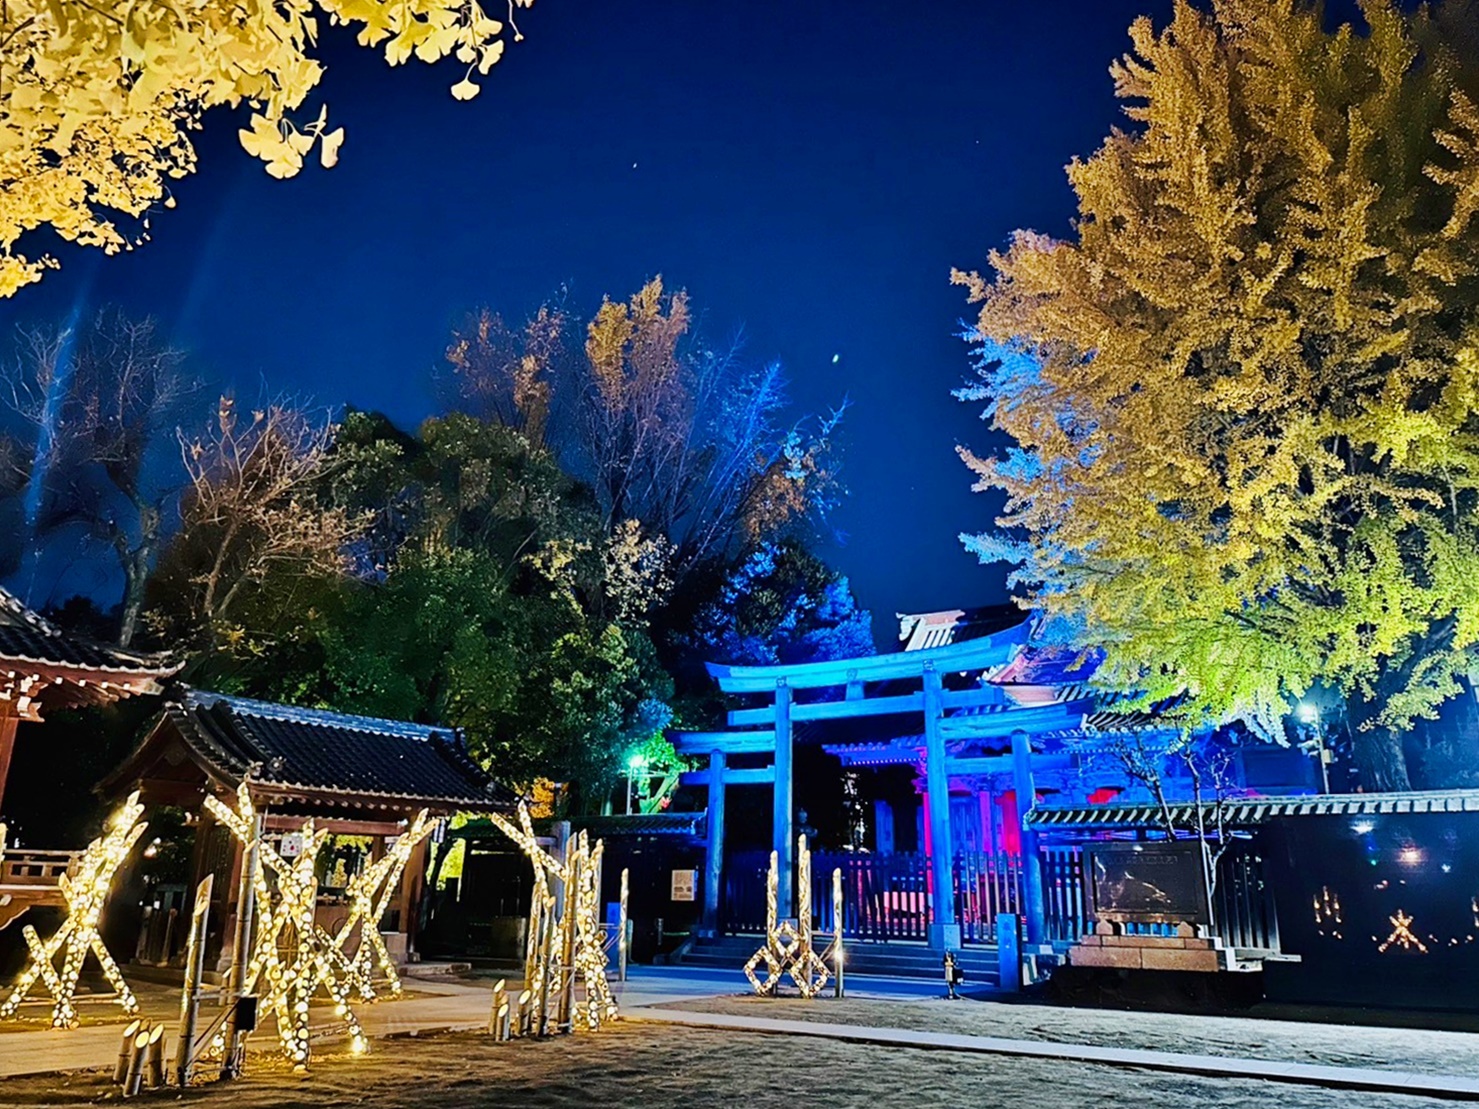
[1244, 393]
[98, 99]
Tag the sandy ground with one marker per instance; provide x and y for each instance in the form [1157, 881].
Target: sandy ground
[1406, 1049]
[665, 1067]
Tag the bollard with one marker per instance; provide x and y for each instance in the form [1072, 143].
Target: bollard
[125, 1049]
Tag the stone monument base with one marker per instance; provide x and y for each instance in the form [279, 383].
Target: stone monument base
[1108, 946]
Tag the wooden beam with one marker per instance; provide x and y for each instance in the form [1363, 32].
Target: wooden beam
[8, 722]
[849, 708]
[758, 776]
[731, 743]
[974, 654]
[1034, 721]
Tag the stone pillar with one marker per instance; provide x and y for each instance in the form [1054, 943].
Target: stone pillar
[1034, 917]
[783, 841]
[714, 859]
[944, 931]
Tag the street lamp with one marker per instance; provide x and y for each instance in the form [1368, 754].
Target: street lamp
[1310, 714]
[634, 764]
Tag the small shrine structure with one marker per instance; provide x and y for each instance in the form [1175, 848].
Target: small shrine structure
[43, 668]
[362, 779]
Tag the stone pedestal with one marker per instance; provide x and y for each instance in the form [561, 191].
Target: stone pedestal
[1108, 946]
[945, 937]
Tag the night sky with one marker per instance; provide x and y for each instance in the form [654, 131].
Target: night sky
[808, 171]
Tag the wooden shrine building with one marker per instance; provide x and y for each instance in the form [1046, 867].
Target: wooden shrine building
[990, 725]
[360, 777]
[43, 668]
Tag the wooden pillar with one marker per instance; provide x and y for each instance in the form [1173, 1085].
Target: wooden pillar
[714, 859]
[944, 931]
[1032, 892]
[783, 842]
[8, 722]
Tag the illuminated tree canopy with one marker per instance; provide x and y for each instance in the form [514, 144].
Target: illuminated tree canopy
[1243, 393]
[97, 100]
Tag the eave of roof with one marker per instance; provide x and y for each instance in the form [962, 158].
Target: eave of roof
[1246, 812]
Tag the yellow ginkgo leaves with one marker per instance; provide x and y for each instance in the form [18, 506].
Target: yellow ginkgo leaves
[97, 100]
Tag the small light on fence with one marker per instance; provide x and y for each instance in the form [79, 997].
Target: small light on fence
[1410, 856]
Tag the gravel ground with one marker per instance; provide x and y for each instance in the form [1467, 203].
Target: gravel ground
[1406, 1049]
[667, 1067]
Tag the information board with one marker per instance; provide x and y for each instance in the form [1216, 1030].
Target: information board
[1147, 883]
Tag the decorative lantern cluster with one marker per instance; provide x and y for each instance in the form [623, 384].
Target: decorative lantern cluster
[86, 894]
[564, 948]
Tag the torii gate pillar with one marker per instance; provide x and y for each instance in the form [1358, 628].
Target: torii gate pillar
[944, 930]
[783, 841]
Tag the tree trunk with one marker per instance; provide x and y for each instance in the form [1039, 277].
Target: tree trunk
[1381, 761]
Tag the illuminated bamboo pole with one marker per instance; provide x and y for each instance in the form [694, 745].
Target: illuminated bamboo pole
[125, 1049]
[837, 956]
[576, 863]
[502, 1020]
[621, 931]
[241, 946]
[154, 1058]
[194, 972]
[803, 893]
[498, 1003]
[526, 1013]
[135, 1076]
[546, 955]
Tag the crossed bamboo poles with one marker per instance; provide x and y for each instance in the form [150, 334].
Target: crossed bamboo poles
[86, 894]
[287, 923]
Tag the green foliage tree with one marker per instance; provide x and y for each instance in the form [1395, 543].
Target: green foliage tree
[1243, 393]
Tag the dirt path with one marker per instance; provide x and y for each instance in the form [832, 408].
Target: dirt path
[663, 1067]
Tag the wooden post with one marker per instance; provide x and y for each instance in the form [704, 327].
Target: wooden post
[944, 932]
[8, 722]
[781, 839]
[714, 856]
[1032, 891]
[194, 972]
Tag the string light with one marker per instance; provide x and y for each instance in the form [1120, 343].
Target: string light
[286, 924]
[567, 948]
[86, 895]
[788, 947]
[1402, 934]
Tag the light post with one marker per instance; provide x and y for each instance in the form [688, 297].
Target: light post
[634, 764]
[1310, 715]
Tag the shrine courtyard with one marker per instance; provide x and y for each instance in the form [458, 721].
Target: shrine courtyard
[646, 1060]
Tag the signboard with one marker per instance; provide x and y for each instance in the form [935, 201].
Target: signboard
[291, 846]
[685, 882]
[1147, 883]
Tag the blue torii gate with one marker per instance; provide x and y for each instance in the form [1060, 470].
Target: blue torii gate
[978, 713]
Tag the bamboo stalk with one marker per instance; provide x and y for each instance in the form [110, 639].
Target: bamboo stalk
[154, 1058]
[194, 972]
[498, 1003]
[837, 956]
[621, 933]
[125, 1047]
[135, 1076]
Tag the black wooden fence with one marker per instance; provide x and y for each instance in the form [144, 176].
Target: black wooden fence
[888, 897]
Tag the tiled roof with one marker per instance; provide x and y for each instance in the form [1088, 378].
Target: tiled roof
[1243, 812]
[28, 637]
[323, 752]
[643, 824]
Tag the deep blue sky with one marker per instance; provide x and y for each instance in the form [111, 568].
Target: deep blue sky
[807, 170]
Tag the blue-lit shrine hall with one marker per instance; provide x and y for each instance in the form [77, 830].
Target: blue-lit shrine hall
[979, 723]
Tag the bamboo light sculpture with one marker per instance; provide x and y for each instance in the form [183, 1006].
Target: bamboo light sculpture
[788, 947]
[86, 894]
[565, 949]
[370, 893]
[291, 956]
